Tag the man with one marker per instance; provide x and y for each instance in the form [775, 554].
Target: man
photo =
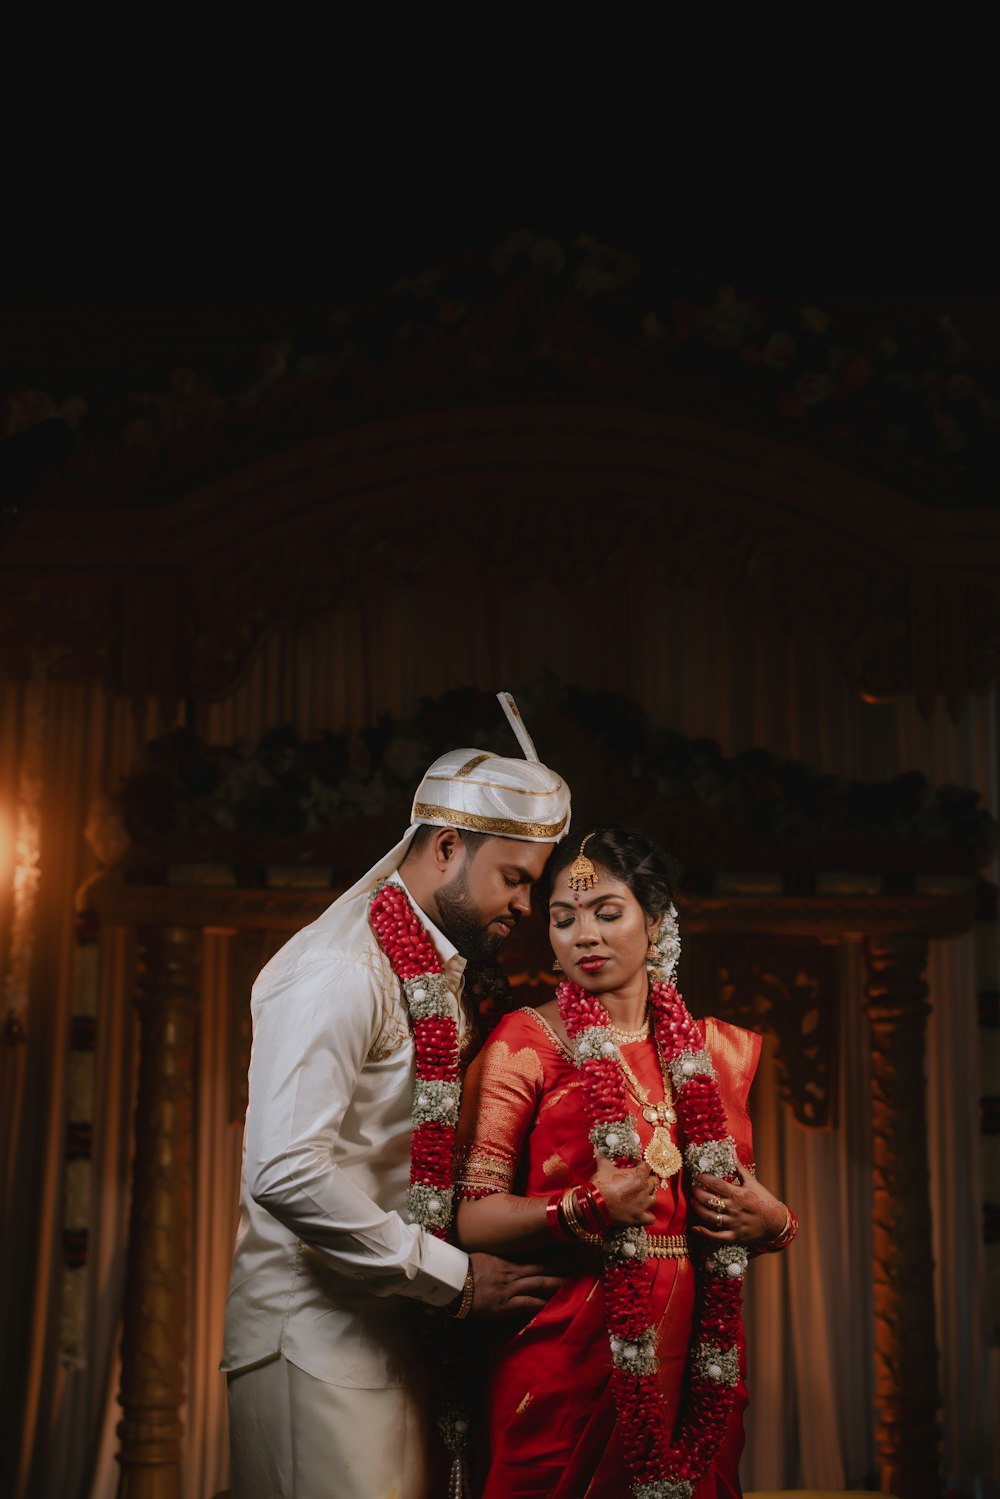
[329, 1385]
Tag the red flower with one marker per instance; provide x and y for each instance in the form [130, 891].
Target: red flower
[402, 935]
[410, 951]
[643, 1418]
[604, 1083]
[701, 1110]
[432, 1155]
[436, 1042]
[626, 1292]
[406, 944]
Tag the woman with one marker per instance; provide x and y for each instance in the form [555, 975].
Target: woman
[574, 1120]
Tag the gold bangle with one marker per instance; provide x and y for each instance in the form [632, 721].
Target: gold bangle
[468, 1291]
[572, 1221]
[568, 1209]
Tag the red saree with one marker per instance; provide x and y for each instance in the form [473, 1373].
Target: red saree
[552, 1424]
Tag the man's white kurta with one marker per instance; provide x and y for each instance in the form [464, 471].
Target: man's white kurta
[327, 1270]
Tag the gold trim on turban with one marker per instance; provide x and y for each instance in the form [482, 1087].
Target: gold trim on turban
[500, 827]
[469, 765]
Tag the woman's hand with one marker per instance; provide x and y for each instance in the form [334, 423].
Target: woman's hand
[742, 1212]
[629, 1192]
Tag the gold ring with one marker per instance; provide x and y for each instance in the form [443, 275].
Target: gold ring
[718, 1203]
[718, 1220]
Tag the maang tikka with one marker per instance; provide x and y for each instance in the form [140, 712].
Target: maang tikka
[583, 873]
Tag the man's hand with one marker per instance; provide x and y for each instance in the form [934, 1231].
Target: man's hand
[501, 1288]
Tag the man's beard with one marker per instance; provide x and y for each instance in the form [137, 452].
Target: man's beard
[463, 923]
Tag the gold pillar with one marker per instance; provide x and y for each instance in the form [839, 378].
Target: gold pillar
[906, 1357]
[156, 1284]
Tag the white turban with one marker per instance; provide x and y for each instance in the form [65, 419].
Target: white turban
[479, 792]
[484, 793]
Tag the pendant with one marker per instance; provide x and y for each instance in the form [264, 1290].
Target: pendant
[651, 1114]
[662, 1155]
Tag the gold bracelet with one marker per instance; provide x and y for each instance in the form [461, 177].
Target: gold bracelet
[572, 1221]
[468, 1291]
[568, 1209]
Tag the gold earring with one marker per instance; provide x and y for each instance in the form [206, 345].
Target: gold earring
[556, 966]
[583, 875]
[652, 952]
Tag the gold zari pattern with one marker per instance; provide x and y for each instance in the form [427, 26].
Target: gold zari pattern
[469, 765]
[481, 1174]
[499, 827]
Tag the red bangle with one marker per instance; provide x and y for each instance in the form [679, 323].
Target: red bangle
[601, 1207]
[593, 1209]
[781, 1240]
[791, 1228]
[553, 1217]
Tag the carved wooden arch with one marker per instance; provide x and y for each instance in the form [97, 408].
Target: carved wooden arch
[908, 597]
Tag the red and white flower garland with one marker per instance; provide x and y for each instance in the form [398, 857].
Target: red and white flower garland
[662, 1469]
[430, 1198]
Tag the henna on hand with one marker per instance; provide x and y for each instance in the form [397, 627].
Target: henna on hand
[742, 1212]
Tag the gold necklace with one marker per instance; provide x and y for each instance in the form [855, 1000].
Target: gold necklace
[626, 1038]
[661, 1154]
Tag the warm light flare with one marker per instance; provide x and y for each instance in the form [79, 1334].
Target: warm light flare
[24, 845]
[6, 855]
[26, 867]
[20, 847]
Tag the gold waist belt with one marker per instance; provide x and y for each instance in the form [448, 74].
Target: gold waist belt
[659, 1246]
[668, 1246]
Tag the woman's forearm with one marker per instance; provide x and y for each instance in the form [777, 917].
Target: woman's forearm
[503, 1223]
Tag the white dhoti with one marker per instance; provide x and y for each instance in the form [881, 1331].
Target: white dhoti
[296, 1437]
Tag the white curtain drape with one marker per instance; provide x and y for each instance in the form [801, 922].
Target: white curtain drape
[698, 666]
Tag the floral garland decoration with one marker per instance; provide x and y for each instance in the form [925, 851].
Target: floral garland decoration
[661, 1468]
[667, 943]
[430, 1197]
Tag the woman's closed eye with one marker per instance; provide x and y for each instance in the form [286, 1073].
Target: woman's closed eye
[566, 921]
